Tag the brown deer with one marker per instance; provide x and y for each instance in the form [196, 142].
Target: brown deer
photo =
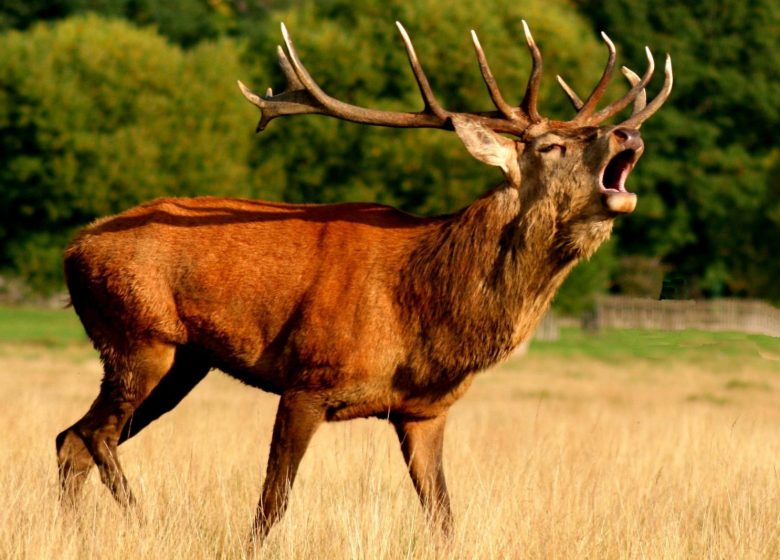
[347, 310]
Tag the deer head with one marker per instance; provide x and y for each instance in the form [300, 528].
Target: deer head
[578, 167]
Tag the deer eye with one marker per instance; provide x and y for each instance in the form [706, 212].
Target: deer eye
[550, 147]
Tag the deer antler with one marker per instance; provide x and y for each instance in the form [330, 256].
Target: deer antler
[636, 94]
[303, 95]
[527, 113]
[641, 100]
[641, 114]
[532, 89]
[586, 109]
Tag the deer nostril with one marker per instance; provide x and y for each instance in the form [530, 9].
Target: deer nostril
[625, 134]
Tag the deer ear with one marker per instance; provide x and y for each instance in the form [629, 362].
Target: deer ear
[488, 147]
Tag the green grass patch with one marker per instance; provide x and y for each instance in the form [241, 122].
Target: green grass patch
[612, 345]
[49, 327]
[59, 327]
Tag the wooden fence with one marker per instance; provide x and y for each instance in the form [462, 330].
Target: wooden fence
[756, 317]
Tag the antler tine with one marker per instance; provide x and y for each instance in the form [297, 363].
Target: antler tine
[573, 97]
[304, 78]
[532, 89]
[641, 99]
[419, 75]
[590, 105]
[293, 82]
[638, 118]
[617, 106]
[490, 81]
[293, 101]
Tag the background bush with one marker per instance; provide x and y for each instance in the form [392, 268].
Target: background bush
[96, 116]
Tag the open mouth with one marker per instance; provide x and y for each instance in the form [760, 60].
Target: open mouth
[613, 177]
[613, 183]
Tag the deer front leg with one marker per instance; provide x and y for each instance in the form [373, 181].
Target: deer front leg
[297, 419]
[422, 445]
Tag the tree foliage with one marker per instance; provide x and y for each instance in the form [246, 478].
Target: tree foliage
[708, 194]
[95, 116]
[184, 22]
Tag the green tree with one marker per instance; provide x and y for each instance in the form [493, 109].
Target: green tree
[705, 184]
[21, 14]
[185, 22]
[96, 116]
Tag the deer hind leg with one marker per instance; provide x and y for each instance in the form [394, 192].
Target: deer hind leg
[189, 368]
[128, 379]
[297, 419]
[422, 445]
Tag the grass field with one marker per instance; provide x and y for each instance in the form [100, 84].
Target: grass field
[627, 444]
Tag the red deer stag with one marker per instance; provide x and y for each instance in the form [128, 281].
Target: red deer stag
[347, 310]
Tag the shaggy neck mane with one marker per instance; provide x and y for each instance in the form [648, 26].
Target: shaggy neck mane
[481, 281]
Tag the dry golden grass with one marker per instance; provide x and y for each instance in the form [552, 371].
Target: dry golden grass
[546, 457]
